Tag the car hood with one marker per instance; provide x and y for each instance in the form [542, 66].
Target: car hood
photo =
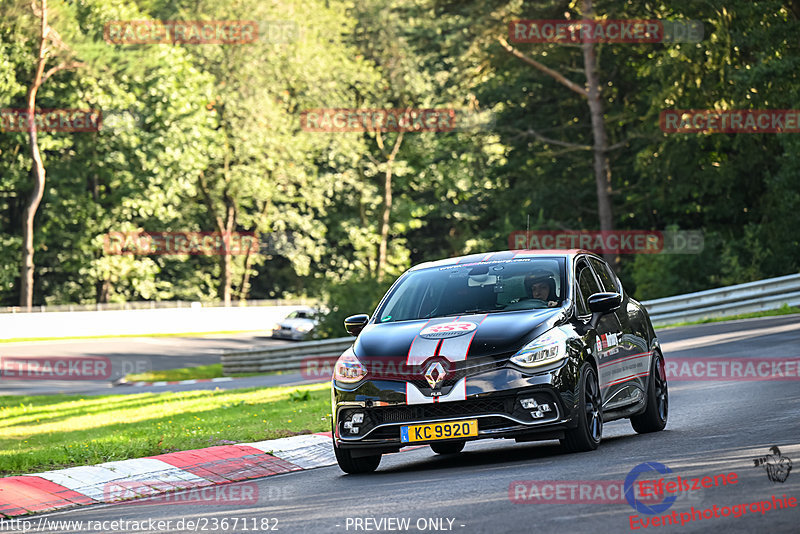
[492, 335]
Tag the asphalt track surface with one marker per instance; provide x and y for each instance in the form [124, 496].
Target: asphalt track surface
[136, 355]
[714, 428]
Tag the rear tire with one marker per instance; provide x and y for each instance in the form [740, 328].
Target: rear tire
[654, 417]
[354, 466]
[587, 435]
[451, 447]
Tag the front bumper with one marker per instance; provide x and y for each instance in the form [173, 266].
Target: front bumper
[492, 398]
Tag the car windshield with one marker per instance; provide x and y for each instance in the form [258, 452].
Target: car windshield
[519, 284]
[299, 314]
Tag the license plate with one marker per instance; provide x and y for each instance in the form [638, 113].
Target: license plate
[434, 431]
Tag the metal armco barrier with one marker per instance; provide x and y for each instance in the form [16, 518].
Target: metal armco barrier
[732, 300]
[282, 358]
[768, 294]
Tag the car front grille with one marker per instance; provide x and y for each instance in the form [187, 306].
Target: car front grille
[484, 423]
[400, 414]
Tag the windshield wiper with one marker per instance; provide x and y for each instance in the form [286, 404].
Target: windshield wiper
[463, 312]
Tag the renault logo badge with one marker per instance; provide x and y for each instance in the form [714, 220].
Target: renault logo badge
[435, 374]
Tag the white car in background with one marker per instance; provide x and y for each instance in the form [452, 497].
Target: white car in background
[297, 325]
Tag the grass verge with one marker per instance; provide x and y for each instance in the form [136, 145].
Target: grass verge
[188, 373]
[39, 433]
[184, 373]
[783, 310]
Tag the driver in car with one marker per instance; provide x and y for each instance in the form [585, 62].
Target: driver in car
[541, 285]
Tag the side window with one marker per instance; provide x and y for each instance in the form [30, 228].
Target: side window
[583, 308]
[607, 278]
[587, 285]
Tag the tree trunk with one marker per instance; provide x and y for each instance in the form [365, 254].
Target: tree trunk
[102, 290]
[387, 207]
[362, 212]
[244, 287]
[592, 93]
[226, 265]
[226, 259]
[387, 210]
[602, 169]
[230, 219]
[224, 228]
[38, 171]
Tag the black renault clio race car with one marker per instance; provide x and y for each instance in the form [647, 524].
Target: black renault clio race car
[529, 345]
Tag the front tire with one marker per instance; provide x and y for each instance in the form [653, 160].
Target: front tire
[354, 466]
[451, 447]
[654, 417]
[587, 435]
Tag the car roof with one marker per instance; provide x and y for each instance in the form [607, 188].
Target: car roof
[500, 255]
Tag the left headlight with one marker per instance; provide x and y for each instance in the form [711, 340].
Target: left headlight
[348, 368]
[304, 328]
[548, 348]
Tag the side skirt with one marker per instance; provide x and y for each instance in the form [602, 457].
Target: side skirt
[626, 411]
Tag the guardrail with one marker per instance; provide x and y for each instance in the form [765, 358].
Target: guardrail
[732, 300]
[282, 358]
[157, 305]
[762, 295]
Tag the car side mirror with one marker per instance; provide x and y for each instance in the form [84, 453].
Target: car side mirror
[601, 304]
[356, 323]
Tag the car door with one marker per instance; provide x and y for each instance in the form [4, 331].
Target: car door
[605, 337]
[622, 352]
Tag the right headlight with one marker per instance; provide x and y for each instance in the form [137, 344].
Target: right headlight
[348, 368]
[548, 348]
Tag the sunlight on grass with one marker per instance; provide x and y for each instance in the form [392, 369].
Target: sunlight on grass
[185, 373]
[48, 432]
